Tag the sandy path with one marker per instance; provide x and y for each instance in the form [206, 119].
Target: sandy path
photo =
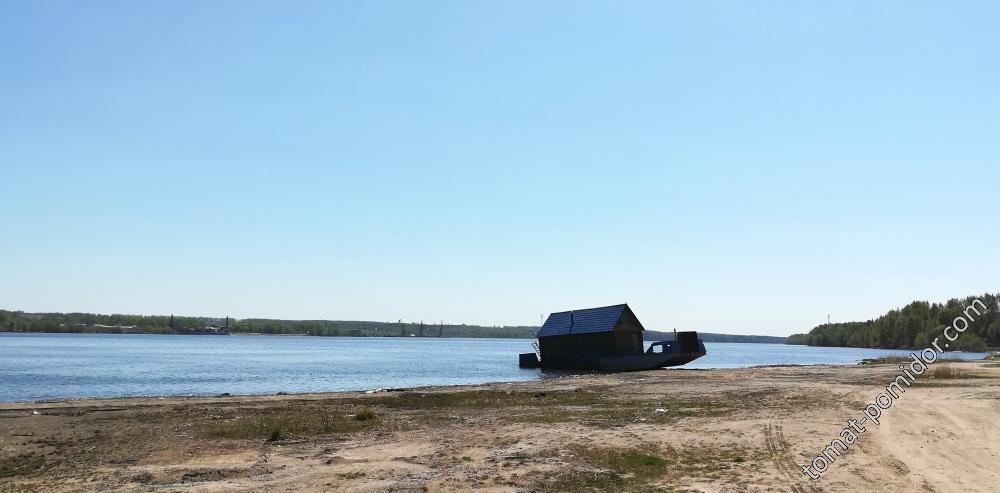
[945, 439]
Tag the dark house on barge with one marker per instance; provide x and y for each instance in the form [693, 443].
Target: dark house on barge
[606, 338]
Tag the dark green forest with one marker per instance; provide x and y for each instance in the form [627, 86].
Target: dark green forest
[914, 326]
[14, 321]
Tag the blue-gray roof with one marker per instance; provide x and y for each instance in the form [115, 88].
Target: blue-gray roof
[588, 320]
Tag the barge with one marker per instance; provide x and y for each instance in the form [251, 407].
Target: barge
[606, 338]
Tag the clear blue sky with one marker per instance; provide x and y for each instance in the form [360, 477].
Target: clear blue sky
[741, 167]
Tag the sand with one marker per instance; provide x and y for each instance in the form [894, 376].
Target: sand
[737, 430]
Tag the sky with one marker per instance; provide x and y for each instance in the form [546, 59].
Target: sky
[737, 167]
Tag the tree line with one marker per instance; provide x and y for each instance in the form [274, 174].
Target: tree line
[914, 326]
[17, 321]
[655, 335]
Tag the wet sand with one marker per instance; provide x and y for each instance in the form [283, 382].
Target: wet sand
[738, 430]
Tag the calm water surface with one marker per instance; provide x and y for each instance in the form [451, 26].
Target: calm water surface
[56, 366]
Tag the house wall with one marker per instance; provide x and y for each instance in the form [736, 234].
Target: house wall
[556, 347]
[599, 344]
[618, 342]
[628, 342]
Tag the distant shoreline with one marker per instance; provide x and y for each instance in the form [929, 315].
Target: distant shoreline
[57, 322]
[650, 335]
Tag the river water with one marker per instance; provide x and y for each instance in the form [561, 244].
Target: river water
[58, 366]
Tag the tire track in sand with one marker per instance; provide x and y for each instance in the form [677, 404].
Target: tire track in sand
[777, 447]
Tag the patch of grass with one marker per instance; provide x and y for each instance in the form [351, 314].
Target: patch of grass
[275, 426]
[607, 413]
[950, 372]
[275, 434]
[946, 371]
[547, 418]
[609, 468]
[21, 465]
[351, 475]
[488, 399]
[366, 414]
[214, 474]
[639, 460]
[646, 468]
[652, 412]
[886, 360]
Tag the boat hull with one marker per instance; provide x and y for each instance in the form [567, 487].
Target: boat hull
[637, 362]
[683, 350]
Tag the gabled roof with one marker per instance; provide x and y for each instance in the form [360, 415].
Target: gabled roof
[588, 320]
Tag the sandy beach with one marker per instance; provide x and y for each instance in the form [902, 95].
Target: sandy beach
[735, 430]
